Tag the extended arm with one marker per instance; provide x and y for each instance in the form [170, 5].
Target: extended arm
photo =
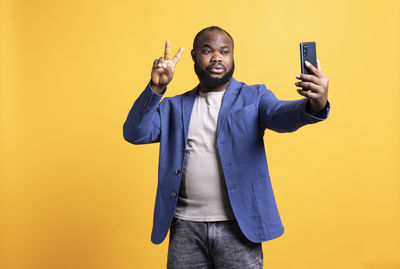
[288, 116]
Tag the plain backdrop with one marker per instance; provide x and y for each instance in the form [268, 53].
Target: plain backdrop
[75, 195]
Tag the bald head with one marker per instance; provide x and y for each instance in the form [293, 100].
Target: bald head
[200, 35]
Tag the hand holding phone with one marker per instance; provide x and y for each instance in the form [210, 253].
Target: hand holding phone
[314, 84]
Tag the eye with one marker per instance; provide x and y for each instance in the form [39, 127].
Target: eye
[206, 51]
[225, 52]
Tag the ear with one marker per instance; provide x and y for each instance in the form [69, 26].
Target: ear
[193, 53]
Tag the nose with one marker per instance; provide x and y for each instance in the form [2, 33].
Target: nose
[216, 57]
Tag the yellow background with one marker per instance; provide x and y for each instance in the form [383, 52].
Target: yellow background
[75, 195]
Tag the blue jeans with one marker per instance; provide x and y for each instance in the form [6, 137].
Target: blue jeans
[211, 245]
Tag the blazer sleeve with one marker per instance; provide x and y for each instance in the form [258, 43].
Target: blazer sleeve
[142, 125]
[286, 116]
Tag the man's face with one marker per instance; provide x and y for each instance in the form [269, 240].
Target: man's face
[213, 58]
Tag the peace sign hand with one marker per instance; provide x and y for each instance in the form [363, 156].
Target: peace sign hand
[163, 69]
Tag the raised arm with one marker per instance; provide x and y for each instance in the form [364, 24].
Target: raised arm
[142, 125]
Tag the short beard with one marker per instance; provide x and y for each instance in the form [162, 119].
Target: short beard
[212, 83]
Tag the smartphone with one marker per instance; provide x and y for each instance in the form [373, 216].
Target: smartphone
[307, 53]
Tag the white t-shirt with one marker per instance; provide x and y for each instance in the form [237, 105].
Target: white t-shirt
[203, 195]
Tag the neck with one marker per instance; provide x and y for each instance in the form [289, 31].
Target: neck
[221, 88]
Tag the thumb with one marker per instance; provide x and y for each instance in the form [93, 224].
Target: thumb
[168, 71]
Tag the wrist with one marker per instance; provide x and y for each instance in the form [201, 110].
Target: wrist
[158, 89]
[314, 108]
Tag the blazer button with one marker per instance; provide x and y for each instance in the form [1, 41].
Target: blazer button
[183, 149]
[173, 195]
[177, 171]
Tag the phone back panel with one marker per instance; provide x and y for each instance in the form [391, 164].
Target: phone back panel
[307, 53]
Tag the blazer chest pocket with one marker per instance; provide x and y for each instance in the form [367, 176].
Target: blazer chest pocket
[244, 121]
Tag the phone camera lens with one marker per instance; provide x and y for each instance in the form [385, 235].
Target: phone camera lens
[305, 50]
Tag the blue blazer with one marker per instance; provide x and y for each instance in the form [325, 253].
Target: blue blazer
[245, 113]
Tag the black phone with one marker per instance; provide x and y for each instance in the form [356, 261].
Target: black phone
[307, 53]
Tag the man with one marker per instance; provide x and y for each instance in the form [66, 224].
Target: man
[214, 192]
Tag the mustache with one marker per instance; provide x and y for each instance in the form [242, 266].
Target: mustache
[216, 66]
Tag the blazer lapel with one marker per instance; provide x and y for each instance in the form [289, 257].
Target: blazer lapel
[187, 107]
[229, 97]
[188, 101]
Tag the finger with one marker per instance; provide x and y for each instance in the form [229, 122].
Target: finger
[167, 50]
[178, 55]
[155, 63]
[170, 63]
[160, 62]
[313, 69]
[311, 78]
[168, 71]
[308, 86]
[307, 94]
[319, 66]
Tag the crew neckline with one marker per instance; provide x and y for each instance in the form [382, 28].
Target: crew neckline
[211, 93]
